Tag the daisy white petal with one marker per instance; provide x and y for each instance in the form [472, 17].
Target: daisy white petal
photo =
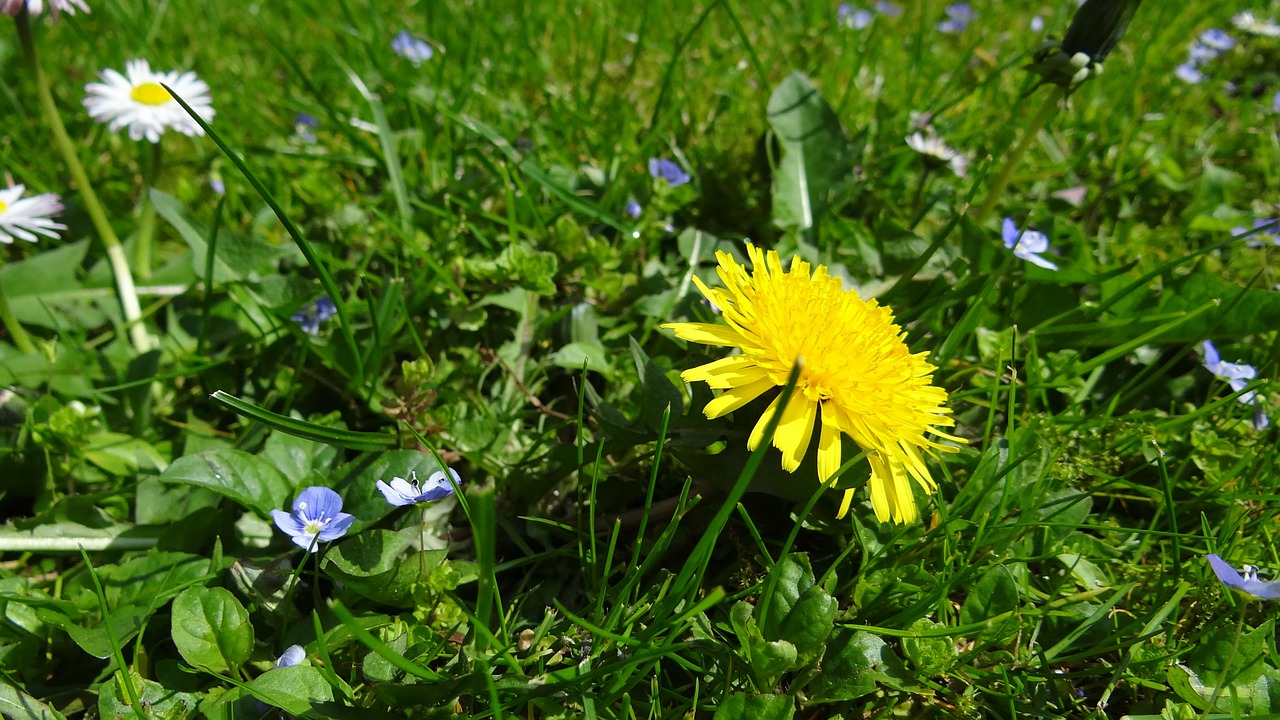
[137, 103]
[25, 218]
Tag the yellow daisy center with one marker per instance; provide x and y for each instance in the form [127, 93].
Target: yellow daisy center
[3, 206]
[857, 376]
[149, 93]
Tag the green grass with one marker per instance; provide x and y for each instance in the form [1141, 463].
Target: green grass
[615, 554]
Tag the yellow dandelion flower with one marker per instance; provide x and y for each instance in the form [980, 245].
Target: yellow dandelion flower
[857, 376]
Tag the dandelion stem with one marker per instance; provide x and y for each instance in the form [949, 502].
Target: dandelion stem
[16, 331]
[1014, 159]
[142, 341]
[147, 217]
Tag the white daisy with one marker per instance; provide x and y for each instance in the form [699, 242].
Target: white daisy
[137, 101]
[23, 218]
[935, 148]
[35, 7]
[1250, 23]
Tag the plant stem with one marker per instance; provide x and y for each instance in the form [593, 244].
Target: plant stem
[147, 217]
[16, 331]
[142, 341]
[1015, 158]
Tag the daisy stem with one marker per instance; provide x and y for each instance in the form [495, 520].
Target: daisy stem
[142, 341]
[1014, 159]
[147, 216]
[16, 331]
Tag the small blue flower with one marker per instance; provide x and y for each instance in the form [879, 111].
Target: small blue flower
[414, 49]
[1199, 54]
[1188, 72]
[959, 15]
[1217, 40]
[302, 127]
[1263, 230]
[310, 317]
[664, 169]
[854, 18]
[1037, 24]
[884, 7]
[409, 492]
[293, 655]
[1237, 376]
[633, 209]
[1027, 244]
[1246, 583]
[218, 187]
[1275, 103]
[317, 517]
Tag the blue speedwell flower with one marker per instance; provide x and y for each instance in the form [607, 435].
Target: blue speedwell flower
[664, 169]
[410, 492]
[633, 209]
[309, 318]
[1027, 244]
[959, 15]
[317, 517]
[854, 18]
[1246, 583]
[293, 655]
[1237, 376]
[414, 49]
[1189, 72]
[303, 126]
[1262, 231]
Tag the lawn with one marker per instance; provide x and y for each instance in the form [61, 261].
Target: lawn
[733, 359]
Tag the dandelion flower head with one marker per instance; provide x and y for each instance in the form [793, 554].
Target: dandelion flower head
[857, 376]
[136, 102]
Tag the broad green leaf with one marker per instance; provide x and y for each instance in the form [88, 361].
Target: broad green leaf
[743, 706]
[658, 392]
[768, 660]
[152, 579]
[305, 462]
[159, 701]
[123, 623]
[292, 689]
[854, 664]
[794, 609]
[236, 258]
[244, 478]
[211, 629]
[993, 601]
[816, 153]
[46, 290]
[17, 705]
[1224, 658]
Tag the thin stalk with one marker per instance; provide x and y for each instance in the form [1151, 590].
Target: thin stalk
[147, 216]
[1015, 158]
[16, 331]
[125, 288]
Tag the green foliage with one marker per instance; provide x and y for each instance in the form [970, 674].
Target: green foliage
[612, 552]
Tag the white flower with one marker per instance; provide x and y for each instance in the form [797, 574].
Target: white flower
[137, 101]
[932, 146]
[1250, 23]
[35, 7]
[23, 218]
